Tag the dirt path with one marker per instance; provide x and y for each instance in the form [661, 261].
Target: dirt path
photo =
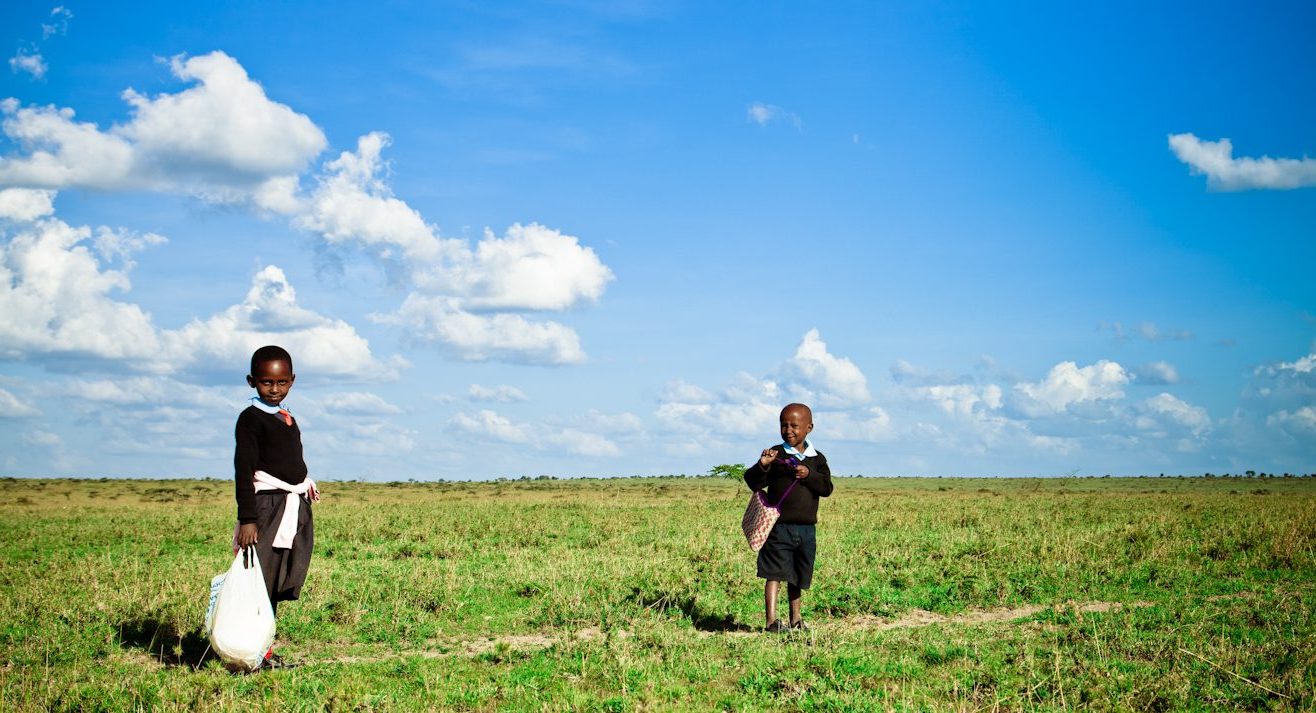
[914, 618]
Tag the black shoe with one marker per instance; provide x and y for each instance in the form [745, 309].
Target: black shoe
[274, 661]
[800, 626]
[777, 627]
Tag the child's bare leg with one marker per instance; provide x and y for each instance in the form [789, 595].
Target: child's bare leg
[796, 595]
[770, 600]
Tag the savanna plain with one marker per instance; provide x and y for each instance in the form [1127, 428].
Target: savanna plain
[1157, 593]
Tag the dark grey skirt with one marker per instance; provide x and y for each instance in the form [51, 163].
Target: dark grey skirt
[284, 569]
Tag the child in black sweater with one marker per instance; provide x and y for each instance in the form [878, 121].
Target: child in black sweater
[273, 493]
[788, 554]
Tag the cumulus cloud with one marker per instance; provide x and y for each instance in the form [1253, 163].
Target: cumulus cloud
[961, 399]
[270, 314]
[501, 393]
[474, 337]
[29, 63]
[531, 267]
[25, 205]
[352, 203]
[1299, 422]
[221, 139]
[870, 425]
[1068, 384]
[815, 375]
[357, 403]
[59, 295]
[764, 114]
[1165, 410]
[1224, 172]
[748, 406]
[488, 425]
[13, 407]
[1157, 372]
[57, 300]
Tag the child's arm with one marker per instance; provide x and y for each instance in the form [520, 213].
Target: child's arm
[246, 456]
[756, 476]
[818, 478]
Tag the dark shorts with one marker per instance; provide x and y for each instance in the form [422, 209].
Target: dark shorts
[788, 555]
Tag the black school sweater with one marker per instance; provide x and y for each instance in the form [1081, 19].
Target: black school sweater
[264, 442]
[801, 506]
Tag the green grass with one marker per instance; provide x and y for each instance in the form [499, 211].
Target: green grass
[639, 594]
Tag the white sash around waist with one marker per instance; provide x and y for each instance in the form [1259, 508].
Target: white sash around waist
[288, 524]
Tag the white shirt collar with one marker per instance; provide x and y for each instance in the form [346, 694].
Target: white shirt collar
[255, 401]
[809, 452]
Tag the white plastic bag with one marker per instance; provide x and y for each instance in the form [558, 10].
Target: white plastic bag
[240, 620]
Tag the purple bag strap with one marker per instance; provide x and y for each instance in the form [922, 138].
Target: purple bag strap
[788, 492]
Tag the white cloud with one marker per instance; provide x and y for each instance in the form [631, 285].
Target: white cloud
[352, 203]
[764, 114]
[1305, 365]
[57, 299]
[1068, 384]
[357, 403]
[13, 407]
[1162, 410]
[813, 374]
[961, 399]
[1300, 422]
[25, 205]
[220, 139]
[743, 420]
[223, 140]
[224, 124]
[509, 337]
[871, 425]
[63, 153]
[270, 314]
[531, 267]
[42, 439]
[682, 391]
[147, 390]
[487, 425]
[501, 393]
[1157, 372]
[59, 22]
[1226, 173]
[370, 438]
[31, 63]
[748, 407]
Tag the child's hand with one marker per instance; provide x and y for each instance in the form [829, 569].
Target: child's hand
[801, 471]
[247, 535]
[765, 460]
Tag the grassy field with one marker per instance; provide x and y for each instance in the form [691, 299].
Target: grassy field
[639, 594]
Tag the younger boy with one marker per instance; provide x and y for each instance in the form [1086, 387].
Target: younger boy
[273, 493]
[798, 473]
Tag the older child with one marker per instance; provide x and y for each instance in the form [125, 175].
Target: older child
[273, 493]
[796, 475]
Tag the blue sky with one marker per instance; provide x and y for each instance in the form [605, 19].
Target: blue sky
[582, 238]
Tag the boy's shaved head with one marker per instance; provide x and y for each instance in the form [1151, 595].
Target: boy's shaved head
[270, 353]
[808, 412]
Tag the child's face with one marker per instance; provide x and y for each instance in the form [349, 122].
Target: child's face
[272, 381]
[795, 425]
